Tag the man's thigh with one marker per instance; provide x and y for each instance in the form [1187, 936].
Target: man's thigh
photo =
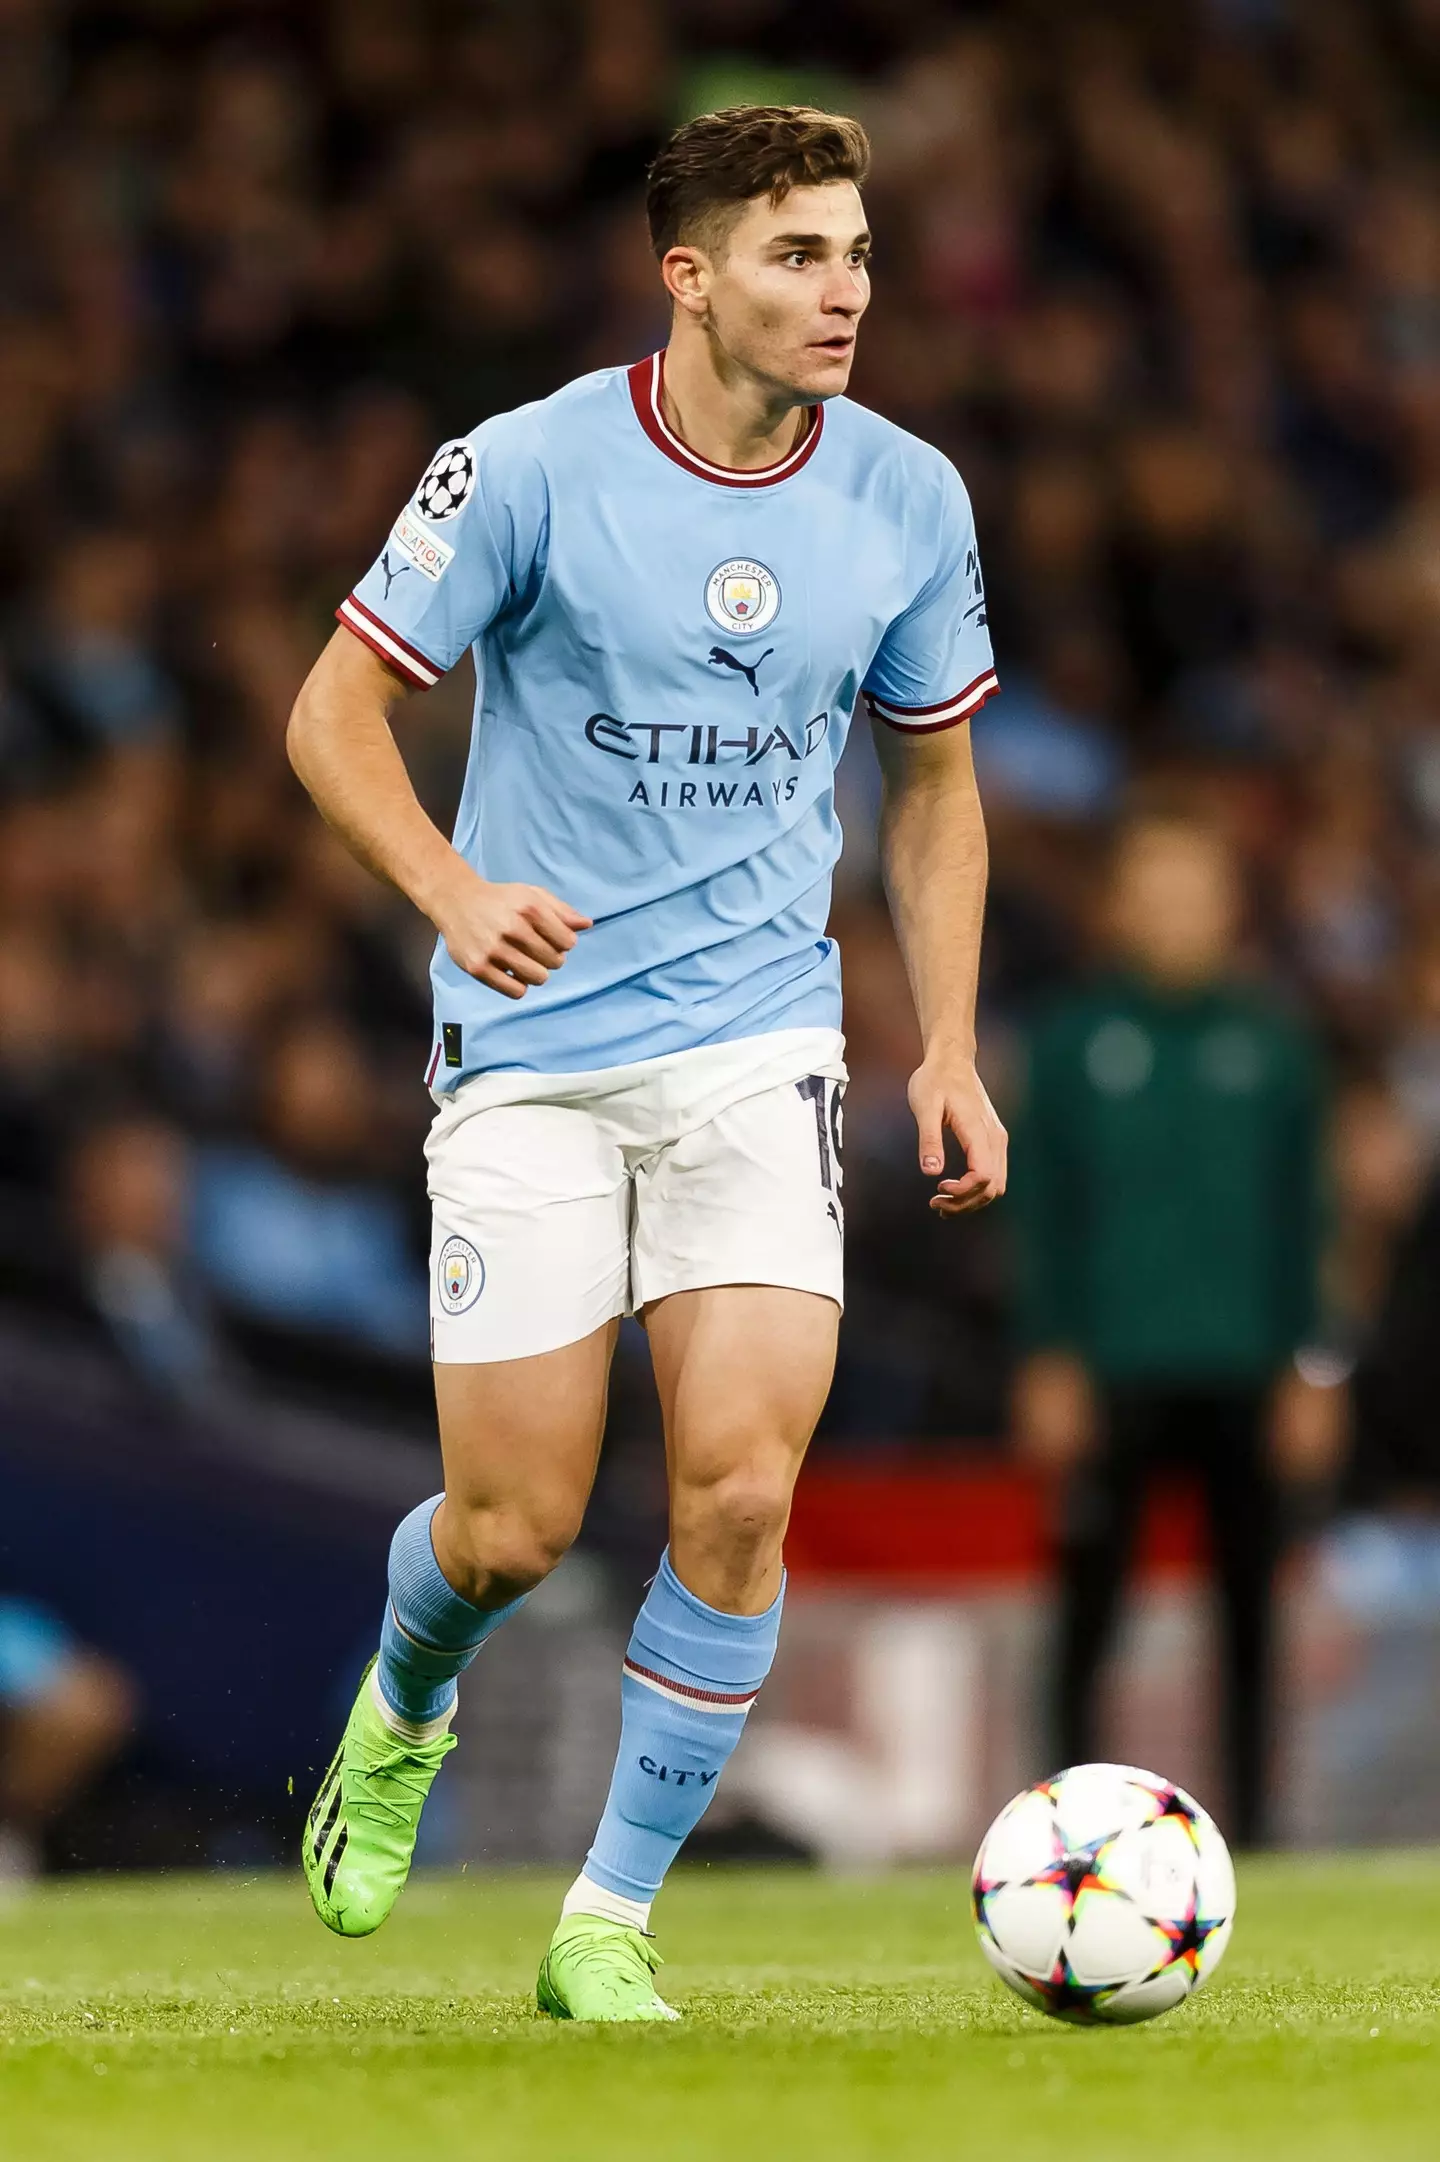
[524, 1435]
[742, 1371]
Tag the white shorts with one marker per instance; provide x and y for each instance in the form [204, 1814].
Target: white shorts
[563, 1200]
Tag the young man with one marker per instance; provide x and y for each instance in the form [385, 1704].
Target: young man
[677, 579]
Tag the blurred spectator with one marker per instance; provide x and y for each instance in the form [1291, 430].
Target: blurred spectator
[1414, 1066]
[87, 659]
[1398, 1384]
[64, 1713]
[294, 1227]
[1168, 1214]
[1381, 1561]
[1379, 1171]
[32, 1029]
[129, 1199]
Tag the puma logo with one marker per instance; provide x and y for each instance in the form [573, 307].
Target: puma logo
[719, 658]
[391, 576]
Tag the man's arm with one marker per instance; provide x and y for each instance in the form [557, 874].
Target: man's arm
[341, 746]
[932, 845]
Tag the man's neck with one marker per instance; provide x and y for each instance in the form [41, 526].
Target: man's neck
[723, 414]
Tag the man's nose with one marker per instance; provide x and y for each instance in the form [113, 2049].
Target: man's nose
[844, 295]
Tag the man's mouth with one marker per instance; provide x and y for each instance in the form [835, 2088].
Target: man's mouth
[844, 342]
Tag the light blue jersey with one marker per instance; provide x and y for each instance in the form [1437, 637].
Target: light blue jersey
[667, 655]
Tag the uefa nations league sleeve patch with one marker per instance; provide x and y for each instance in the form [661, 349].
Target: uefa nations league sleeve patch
[448, 484]
[459, 1276]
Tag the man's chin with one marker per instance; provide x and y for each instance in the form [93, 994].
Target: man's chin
[824, 375]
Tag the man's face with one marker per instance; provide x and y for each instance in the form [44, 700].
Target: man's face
[784, 295]
[1175, 905]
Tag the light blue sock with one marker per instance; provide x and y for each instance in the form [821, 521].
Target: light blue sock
[430, 1634]
[691, 1674]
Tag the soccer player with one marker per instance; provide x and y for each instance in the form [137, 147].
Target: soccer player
[677, 580]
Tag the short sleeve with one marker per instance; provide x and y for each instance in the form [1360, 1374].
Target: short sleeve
[934, 666]
[471, 540]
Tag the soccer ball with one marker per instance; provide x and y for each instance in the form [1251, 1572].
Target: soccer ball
[1103, 1895]
[448, 480]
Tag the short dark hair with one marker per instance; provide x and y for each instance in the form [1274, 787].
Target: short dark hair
[717, 163]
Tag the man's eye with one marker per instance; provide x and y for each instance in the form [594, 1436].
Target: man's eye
[797, 255]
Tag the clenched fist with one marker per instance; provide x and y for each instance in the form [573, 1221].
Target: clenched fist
[508, 937]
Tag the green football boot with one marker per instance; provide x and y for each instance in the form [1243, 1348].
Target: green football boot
[596, 1969]
[360, 1835]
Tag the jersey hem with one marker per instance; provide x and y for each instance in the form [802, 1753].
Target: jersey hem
[808, 1042]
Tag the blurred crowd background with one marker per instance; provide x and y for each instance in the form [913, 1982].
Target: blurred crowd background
[1165, 283]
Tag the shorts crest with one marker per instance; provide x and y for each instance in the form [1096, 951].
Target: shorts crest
[459, 1275]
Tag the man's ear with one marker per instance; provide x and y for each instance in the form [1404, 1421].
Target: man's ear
[687, 273]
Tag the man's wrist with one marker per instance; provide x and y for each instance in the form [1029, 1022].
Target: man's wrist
[950, 1050]
[433, 886]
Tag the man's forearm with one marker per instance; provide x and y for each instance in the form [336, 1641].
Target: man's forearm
[932, 844]
[507, 936]
[341, 746]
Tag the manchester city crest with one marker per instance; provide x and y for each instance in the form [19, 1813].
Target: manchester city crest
[742, 596]
[459, 1275]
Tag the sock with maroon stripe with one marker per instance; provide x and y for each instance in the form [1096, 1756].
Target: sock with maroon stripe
[691, 1674]
[429, 1634]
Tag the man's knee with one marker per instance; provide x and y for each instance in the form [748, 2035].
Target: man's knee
[501, 1550]
[742, 1512]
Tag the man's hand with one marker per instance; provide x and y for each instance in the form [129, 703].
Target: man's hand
[505, 936]
[1309, 1431]
[947, 1091]
[1053, 1413]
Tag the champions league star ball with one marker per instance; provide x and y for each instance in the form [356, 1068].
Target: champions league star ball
[448, 480]
[1104, 1895]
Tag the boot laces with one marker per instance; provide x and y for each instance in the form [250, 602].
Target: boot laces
[612, 1959]
[391, 1787]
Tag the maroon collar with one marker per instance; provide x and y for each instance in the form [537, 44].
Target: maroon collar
[646, 381]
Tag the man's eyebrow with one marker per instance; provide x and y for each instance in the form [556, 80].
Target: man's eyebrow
[815, 240]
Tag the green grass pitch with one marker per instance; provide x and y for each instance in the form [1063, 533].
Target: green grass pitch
[212, 2020]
